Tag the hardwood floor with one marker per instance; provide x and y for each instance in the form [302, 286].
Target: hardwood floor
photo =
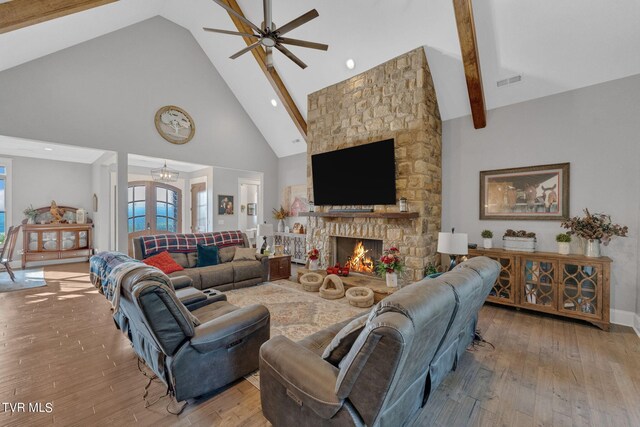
[59, 344]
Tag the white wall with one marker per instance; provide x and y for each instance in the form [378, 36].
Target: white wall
[292, 170]
[37, 182]
[596, 129]
[104, 94]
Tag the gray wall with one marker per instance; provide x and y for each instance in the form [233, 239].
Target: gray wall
[292, 170]
[104, 94]
[596, 129]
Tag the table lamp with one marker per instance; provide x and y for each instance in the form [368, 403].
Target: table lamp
[265, 230]
[453, 244]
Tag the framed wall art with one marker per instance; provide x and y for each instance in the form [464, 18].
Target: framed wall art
[225, 205]
[529, 193]
[174, 124]
[251, 209]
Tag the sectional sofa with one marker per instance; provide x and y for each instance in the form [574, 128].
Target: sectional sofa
[227, 275]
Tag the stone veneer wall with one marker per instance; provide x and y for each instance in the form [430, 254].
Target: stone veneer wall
[393, 100]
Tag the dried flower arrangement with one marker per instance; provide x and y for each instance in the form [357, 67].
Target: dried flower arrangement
[595, 226]
[281, 213]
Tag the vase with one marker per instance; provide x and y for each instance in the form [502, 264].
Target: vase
[314, 264]
[31, 220]
[392, 280]
[564, 248]
[592, 248]
[487, 243]
[281, 225]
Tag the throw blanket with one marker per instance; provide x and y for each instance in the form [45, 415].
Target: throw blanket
[185, 243]
[114, 281]
[101, 264]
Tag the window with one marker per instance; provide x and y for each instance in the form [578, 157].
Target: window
[136, 208]
[153, 207]
[166, 209]
[5, 197]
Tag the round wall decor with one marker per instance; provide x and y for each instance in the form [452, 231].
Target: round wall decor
[174, 124]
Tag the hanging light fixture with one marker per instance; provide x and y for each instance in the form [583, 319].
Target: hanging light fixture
[164, 174]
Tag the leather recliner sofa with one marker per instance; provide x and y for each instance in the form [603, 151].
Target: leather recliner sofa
[195, 352]
[407, 345]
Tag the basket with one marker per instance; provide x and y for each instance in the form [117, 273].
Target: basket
[519, 244]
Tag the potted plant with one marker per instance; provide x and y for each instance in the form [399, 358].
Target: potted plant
[31, 214]
[313, 256]
[594, 229]
[564, 241]
[521, 240]
[280, 215]
[487, 239]
[390, 265]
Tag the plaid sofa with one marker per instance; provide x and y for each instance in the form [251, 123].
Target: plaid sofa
[227, 275]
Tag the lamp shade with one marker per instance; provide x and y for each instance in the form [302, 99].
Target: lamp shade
[265, 230]
[453, 243]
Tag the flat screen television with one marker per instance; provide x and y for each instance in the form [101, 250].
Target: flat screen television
[362, 175]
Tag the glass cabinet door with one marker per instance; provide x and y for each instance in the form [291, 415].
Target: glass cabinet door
[49, 241]
[539, 284]
[69, 240]
[581, 289]
[503, 288]
[83, 239]
[33, 241]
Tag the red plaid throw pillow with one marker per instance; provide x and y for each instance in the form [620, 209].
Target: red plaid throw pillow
[164, 263]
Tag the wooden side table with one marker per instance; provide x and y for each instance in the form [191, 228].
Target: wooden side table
[279, 267]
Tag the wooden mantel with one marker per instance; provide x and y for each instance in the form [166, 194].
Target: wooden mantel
[387, 215]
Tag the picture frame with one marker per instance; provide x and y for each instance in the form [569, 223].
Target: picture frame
[251, 209]
[295, 200]
[225, 205]
[525, 193]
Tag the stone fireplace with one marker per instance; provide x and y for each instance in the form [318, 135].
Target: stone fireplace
[393, 100]
[359, 254]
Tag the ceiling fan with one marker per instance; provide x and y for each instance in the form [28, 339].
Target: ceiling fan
[270, 36]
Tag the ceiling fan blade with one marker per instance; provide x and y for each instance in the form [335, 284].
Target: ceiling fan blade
[291, 56]
[303, 43]
[266, 6]
[298, 21]
[237, 15]
[245, 50]
[233, 33]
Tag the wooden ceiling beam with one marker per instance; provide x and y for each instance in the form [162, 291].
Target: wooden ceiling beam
[471, 61]
[272, 75]
[17, 14]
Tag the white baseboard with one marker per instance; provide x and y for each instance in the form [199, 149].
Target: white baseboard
[636, 325]
[621, 317]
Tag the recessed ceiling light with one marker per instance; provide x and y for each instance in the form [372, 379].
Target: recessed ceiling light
[48, 149]
[351, 64]
[274, 102]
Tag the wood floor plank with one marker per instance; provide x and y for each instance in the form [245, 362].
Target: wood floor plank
[59, 344]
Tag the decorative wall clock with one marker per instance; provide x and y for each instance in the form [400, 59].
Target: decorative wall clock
[174, 124]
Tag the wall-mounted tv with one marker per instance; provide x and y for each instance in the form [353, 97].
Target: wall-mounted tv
[362, 175]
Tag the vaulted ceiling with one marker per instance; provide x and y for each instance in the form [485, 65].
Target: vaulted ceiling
[555, 46]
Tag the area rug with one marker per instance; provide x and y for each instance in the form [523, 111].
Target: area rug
[295, 313]
[25, 279]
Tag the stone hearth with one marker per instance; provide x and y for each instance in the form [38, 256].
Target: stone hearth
[393, 100]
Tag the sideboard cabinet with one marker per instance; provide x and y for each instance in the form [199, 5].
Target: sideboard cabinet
[566, 285]
[46, 242]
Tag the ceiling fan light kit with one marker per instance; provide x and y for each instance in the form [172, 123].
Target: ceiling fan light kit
[270, 36]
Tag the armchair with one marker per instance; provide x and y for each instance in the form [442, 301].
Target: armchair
[193, 353]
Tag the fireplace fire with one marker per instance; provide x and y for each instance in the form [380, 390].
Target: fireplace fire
[360, 261]
[358, 254]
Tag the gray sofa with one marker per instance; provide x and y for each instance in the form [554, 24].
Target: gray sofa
[225, 276]
[196, 352]
[409, 342]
